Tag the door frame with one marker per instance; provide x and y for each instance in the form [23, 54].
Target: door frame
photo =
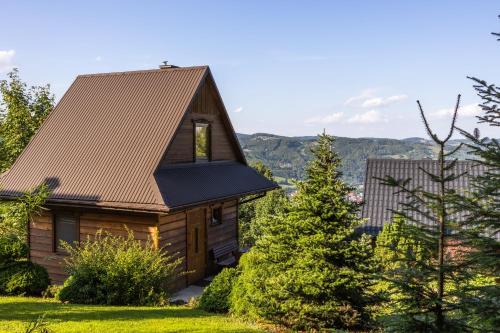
[203, 242]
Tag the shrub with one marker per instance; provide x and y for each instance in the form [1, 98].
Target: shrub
[215, 298]
[51, 291]
[23, 278]
[117, 270]
[12, 248]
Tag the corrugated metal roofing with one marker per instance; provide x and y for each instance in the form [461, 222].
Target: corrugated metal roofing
[380, 199]
[197, 183]
[105, 138]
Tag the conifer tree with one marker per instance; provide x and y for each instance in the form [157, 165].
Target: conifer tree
[253, 215]
[430, 280]
[309, 269]
[481, 209]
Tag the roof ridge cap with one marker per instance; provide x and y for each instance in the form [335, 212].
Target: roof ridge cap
[145, 71]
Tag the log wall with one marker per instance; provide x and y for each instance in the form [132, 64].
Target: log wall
[42, 243]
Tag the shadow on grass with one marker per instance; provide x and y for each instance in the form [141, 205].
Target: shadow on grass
[24, 311]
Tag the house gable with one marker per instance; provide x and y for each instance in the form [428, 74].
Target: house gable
[206, 106]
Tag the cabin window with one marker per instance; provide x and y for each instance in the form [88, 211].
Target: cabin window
[66, 230]
[202, 142]
[217, 215]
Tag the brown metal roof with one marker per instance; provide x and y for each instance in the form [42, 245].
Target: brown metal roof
[105, 138]
[380, 200]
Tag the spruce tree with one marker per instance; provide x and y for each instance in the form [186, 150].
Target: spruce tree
[309, 269]
[429, 279]
[255, 213]
[481, 208]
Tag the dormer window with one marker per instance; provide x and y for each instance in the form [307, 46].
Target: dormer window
[201, 142]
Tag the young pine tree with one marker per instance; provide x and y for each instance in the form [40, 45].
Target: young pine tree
[481, 226]
[309, 269]
[428, 279]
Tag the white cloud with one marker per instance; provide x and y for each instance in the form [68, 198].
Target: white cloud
[469, 110]
[6, 60]
[329, 119]
[365, 94]
[98, 59]
[368, 99]
[238, 109]
[368, 117]
[381, 101]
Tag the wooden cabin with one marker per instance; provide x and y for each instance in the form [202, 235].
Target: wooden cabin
[153, 151]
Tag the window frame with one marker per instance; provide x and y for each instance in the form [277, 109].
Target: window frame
[212, 209]
[55, 240]
[208, 126]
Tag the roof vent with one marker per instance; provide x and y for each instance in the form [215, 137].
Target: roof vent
[165, 65]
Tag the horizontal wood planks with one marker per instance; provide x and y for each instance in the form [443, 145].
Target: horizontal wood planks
[42, 235]
[172, 238]
[227, 230]
[167, 231]
[143, 227]
[206, 107]
[42, 247]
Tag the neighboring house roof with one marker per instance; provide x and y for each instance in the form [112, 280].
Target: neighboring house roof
[103, 142]
[380, 199]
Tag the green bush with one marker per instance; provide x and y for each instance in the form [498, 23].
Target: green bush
[51, 291]
[215, 298]
[23, 278]
[12, 248]
[115, 270]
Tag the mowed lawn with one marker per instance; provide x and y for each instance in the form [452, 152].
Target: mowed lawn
[15, 312]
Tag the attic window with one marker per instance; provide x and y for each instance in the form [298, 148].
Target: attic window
[202, 142]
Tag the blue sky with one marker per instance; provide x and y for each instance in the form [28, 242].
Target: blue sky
[354, 68]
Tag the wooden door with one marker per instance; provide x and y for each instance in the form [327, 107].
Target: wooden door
[196, 247]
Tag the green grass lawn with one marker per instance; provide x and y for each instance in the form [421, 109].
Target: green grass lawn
[15, 312]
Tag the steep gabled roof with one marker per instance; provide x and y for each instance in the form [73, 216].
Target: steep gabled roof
[103, 142]
[379, 199]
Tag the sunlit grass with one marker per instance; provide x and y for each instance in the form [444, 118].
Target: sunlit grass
[15, 312]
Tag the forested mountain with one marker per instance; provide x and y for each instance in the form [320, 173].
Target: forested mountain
[287, 156]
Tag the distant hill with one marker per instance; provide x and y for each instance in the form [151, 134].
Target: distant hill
[287, 156]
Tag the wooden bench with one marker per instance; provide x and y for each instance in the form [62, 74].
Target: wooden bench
[225, 254]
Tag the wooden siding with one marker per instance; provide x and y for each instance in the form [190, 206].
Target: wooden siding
[167, 231]
[172, 235]
[206, 107]
[42, 247]
[172, 238]
[227, 230]
[42, 235]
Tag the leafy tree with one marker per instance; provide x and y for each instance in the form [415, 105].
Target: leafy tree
[255, 213]
[309, 269]
[22, 112]
[14, 221]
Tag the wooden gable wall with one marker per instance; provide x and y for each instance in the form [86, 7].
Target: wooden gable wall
[205, 106]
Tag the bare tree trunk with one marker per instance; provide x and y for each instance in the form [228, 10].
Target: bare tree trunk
[441, 244]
